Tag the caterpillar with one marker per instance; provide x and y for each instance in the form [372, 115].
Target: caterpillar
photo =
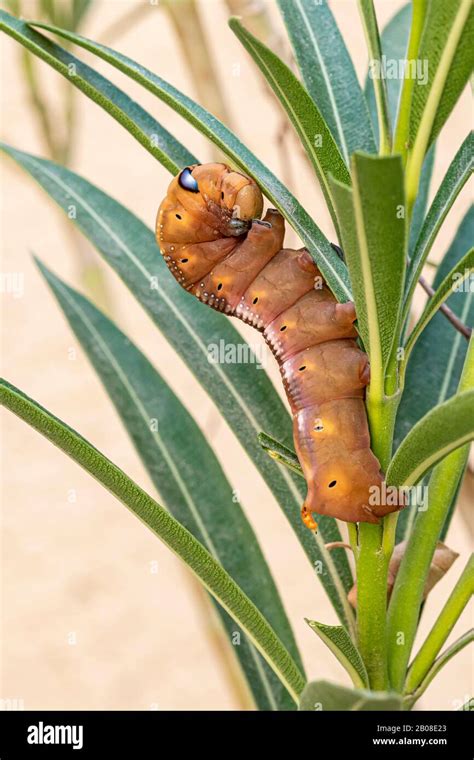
[214, 243]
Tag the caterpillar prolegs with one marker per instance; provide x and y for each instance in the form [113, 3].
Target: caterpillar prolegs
[216, 247]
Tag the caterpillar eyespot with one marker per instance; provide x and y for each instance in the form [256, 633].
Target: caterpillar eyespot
[324, 371]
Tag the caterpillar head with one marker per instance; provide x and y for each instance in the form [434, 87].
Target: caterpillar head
[208, 201]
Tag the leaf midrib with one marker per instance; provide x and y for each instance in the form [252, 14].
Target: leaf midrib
[327, 80]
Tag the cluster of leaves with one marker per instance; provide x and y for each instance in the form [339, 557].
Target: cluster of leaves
[375, 180]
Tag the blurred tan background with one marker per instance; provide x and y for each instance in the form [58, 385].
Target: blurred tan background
[87, 623]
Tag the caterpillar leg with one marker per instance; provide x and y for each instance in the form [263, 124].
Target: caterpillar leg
[308, 519]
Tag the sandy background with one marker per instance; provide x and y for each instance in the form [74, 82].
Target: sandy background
[86, 622]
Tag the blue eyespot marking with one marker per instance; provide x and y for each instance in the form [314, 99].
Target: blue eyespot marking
[187, 181]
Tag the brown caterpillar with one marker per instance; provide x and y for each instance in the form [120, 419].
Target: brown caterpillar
[216, 247]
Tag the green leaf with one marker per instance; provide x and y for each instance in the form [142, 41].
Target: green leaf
[412, 57]
[281, 453]
[369, 20]
[453, 608]
[452, 283]
[143, 127]
[454, 180]
[78, 11]
[374, 239]
[313, 131]
[328, 73]
[439, 664]
[421, 203]
[394, 42]
[444, 429]
[407, 595]
[447, 45]
[323, 695]
[331, 266]
[432, 382]
[213, 577]
[242, 392]
[340, 643]
[176, 455]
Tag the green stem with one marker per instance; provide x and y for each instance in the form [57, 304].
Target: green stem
[416, 692]
[404, 107]
[443, 626]
[372, 566]
[374, 556]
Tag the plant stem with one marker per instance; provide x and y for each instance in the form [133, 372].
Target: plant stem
[372, 566]
[443, 626]
[374, 556]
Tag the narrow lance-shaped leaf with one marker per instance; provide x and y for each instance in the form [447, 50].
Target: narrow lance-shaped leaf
[332, 268]
[369, 20]
[305, 116]
[421, 203]
[454, 180]
[213, 577]
[418, 15]
[440, 443]
[444, 429]
[438, 664]
[458, 599]
[328, 73]
[394, 42]
[281, 453]
[372, 221]
[143, 127]
[341, 645]
[176, 454]
[447, 45]
[432, 382]
[454, 282]
[241, 391]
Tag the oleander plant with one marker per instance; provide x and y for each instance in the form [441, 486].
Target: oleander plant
[371, 149]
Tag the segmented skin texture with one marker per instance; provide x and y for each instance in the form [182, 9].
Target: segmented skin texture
[215, 246]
